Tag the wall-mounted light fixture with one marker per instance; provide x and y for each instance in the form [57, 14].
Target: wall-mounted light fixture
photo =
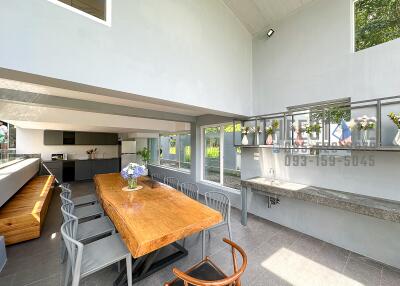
[270, 33]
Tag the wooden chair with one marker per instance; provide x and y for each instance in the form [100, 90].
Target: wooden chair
[206, 273]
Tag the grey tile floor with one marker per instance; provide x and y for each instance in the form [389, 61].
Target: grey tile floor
[277, 256]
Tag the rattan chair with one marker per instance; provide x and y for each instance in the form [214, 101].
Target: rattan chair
[191, 190]
[206, 273]
[84, 260]
[221, 203]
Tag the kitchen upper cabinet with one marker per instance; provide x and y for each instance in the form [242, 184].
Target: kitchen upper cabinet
[53, 137]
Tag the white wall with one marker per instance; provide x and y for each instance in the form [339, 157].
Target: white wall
[310, 59]
[193, 52]
[30, 141]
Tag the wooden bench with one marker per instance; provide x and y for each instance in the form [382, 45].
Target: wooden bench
[22, 217]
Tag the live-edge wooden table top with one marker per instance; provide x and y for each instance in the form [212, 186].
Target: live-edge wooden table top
[153, 217]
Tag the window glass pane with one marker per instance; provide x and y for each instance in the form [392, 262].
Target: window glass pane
[154, 150]
[95, 8]
[211, 150]
[168, 154]
[12, 134]
[232, 156]
[184, 151]
[376, 22]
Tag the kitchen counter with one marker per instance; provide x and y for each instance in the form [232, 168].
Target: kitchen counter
[361, 204]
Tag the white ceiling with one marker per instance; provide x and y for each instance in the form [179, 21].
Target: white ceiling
[38, 117]
[259, 15]
[60, 92]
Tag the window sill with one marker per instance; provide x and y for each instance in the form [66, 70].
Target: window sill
[184, 171]
[216, 185]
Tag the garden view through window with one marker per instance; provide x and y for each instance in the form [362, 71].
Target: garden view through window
[171, 150]
[375, 22]
[221, 159]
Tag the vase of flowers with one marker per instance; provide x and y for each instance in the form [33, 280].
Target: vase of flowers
[270, 131]
[92, 153]
[364, 124]
[245, 131]
[131, 173]
[396, 120]
[257, 135]
[298, 129]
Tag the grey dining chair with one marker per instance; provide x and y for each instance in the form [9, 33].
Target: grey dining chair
[221, 203]
[81, 200]
[172, 182]
[84, 212]
[157, 177]
[89, 230]
[84, 260]
[191, 190]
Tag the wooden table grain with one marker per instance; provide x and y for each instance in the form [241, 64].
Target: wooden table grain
[153, 217]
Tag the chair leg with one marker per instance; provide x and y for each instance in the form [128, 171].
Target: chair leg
[67, 273]
[183, 242]
[209, 234]
[230, 231]
[129, 269]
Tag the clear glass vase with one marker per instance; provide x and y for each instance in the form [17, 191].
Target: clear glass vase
[132, 183]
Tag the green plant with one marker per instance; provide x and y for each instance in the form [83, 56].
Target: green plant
[395, 118]
[144, 154]
[270, 130]
[212, 152]
[313, 128]
[333, 114]
[187, 154]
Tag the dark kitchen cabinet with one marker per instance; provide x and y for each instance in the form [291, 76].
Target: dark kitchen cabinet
[53, 137]
[56, 168]
[83, 170]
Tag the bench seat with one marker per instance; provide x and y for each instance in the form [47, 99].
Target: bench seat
[22, 217]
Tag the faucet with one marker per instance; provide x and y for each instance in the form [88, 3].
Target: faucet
[272, 172]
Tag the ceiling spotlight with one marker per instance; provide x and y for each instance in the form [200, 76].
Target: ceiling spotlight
[270, 33]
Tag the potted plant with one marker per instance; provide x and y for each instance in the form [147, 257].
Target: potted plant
[396, 120]
[131, 173]
[364, 124]
[271, 132]
[92, 153]
[145, 158]
[313, 130]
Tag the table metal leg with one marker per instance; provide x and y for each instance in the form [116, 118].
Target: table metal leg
[244, 205]
[203, 244]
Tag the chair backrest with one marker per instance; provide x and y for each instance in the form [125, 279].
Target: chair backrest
[157, 177]
[69, 230]
[219, 202]
[65, 197]
[67, 211]
[191, 190]
[172, 182]
[232, 280]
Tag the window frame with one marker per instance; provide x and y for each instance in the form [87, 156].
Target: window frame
[221, 156]
[179, 169]
[108, 10]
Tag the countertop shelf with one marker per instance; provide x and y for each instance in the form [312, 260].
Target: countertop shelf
[366, 205]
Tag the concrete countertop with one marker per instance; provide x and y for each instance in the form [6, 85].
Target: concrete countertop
[87, 159]
[361, 204]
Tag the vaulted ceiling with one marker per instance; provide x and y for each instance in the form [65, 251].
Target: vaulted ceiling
[259, 15]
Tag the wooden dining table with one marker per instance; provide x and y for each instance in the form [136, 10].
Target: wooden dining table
[151, 219]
